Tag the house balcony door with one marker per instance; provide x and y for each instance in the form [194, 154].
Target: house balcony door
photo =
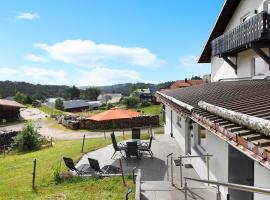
[241, 171]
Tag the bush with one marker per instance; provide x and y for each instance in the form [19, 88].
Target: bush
[28, 139]
[109, 106]
[131, 101]
[59, 104]
[145, 103]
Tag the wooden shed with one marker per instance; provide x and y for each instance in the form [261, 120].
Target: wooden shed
[10, 110]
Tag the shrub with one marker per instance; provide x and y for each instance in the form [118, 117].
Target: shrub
[59, 104]
[145, 103]
[28, 139]
[131, 101]
[109, 106]
[57, 174]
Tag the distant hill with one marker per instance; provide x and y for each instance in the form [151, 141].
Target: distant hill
[38, 91]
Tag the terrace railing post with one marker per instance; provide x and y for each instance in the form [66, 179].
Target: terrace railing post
[167, 169]
[208, 170]
[186, 189]
[181, 173]
[218, 193]
[34, 174]
[172, 170]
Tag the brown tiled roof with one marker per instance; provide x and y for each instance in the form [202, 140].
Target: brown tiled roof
[183, 83]
[10, 103]
[249, 97]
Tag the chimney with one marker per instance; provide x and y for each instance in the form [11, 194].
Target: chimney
[185, 79]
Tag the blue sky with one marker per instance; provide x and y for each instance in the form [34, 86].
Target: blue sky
[103, 42]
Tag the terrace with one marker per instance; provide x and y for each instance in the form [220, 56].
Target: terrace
[155, 180]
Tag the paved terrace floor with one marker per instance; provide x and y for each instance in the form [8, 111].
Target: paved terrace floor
[154, 182]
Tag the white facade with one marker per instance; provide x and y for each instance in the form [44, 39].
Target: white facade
[222, 70]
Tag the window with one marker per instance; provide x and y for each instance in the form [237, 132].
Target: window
[258, 66]
[179, 119]
[201, 137]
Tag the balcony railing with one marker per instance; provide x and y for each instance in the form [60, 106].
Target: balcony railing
[256, 29]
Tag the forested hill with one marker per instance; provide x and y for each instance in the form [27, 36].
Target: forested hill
[37, 91]
[9, 88]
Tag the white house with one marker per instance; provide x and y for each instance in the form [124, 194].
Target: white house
[230, 117]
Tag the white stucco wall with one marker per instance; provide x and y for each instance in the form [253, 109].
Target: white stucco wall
[178, 132]
[261, 179]
[220, 69]
[218, 163]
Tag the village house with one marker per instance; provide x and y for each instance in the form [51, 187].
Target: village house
[110, 98]
[229, 118]
[145, 94]
[72, 105]
[10, 110]
[186, 83]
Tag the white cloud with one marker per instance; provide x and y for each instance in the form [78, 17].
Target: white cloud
[35, 58]
[189, 61]
[46, 76]
[6, 73]
[27, 16]
[88, 53]
[106, 76]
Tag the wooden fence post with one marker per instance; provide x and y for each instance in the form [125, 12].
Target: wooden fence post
[123, 134]
[122, 172]
[105, 135]
[51, 141]
[34, 174]
[83, 143]
[4, 150]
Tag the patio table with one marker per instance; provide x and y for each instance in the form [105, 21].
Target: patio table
[132, 140]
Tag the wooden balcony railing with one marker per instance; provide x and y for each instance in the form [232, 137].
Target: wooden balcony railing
[256, 29]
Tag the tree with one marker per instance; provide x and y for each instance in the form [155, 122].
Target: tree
[131, 101]
[20, 97]
[28, 99]
[59, 104]
[28, 139]
[196, 78]
[74, 93]
[91, 93]
[132, 88]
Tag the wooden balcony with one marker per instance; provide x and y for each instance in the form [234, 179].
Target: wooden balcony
[255, 31]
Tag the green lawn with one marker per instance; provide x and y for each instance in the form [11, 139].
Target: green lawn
[16, 175]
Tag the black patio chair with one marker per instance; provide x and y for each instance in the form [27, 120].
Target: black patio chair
[146, 147]
[83, 169]
[136, 133]
[132, 150]
[117, 148]
[107, 169]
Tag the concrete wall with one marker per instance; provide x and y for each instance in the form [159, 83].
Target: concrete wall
[220, 69]
[261, 179]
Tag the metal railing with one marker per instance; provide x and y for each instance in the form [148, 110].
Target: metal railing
[255, 29]
[246, 188]
[207, 156]
[171, 156]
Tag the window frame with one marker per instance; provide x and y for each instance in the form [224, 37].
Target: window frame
[179, 120]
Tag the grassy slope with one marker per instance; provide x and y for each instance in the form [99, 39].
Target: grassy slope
[15, 175]
[50, 111]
